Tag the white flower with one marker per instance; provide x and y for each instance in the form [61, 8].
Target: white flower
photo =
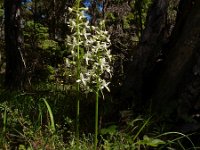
[88, 74]
[94, 49]
[87, 57]
[108, 55]
[105, 32]
[102, 23]
[108, 39]
[73, 53]
[108, 70]
[97, 47]
[95, 56]
[86, 24]
[93, 28]
[82, 79]
[72, 42]
[104, 47]
[83, 8]
[102, 63]
[67, 63]
[70, 9]
[105, 84]
[90, 41]
[72, 24]
[85, 34]
[80, 16]
[68, 39]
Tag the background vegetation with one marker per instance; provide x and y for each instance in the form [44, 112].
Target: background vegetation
[147, 87]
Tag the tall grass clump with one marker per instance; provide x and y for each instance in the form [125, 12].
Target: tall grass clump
[52, 124]
[90, 58]
[19, 131]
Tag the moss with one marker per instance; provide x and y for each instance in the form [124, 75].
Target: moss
[1, 12]
[127, 20]
[110, 16]
[49, 44]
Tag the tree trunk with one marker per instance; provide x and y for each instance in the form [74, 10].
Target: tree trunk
[181, 58]
[171, 85]
[15, 62]
[53, 20]
[146, 55]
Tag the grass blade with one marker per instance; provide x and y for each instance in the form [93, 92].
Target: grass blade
[51, 115]
[182, 136]
[143, 126]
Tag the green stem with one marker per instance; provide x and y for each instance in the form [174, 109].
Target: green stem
[97, 107]
[77, 114]
[4, 120]
[78, 74]
[96, 117]
[77, 109]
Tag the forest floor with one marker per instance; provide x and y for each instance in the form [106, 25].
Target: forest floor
[44, 118]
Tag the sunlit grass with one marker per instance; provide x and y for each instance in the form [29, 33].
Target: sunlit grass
[21, 131]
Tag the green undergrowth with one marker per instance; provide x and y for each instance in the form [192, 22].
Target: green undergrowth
[45, 119]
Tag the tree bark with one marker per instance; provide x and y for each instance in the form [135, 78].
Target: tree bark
[173, 87]
[146, 55]
[180, 59]
[15, 61]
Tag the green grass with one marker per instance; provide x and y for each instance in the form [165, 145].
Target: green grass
[47, 121]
